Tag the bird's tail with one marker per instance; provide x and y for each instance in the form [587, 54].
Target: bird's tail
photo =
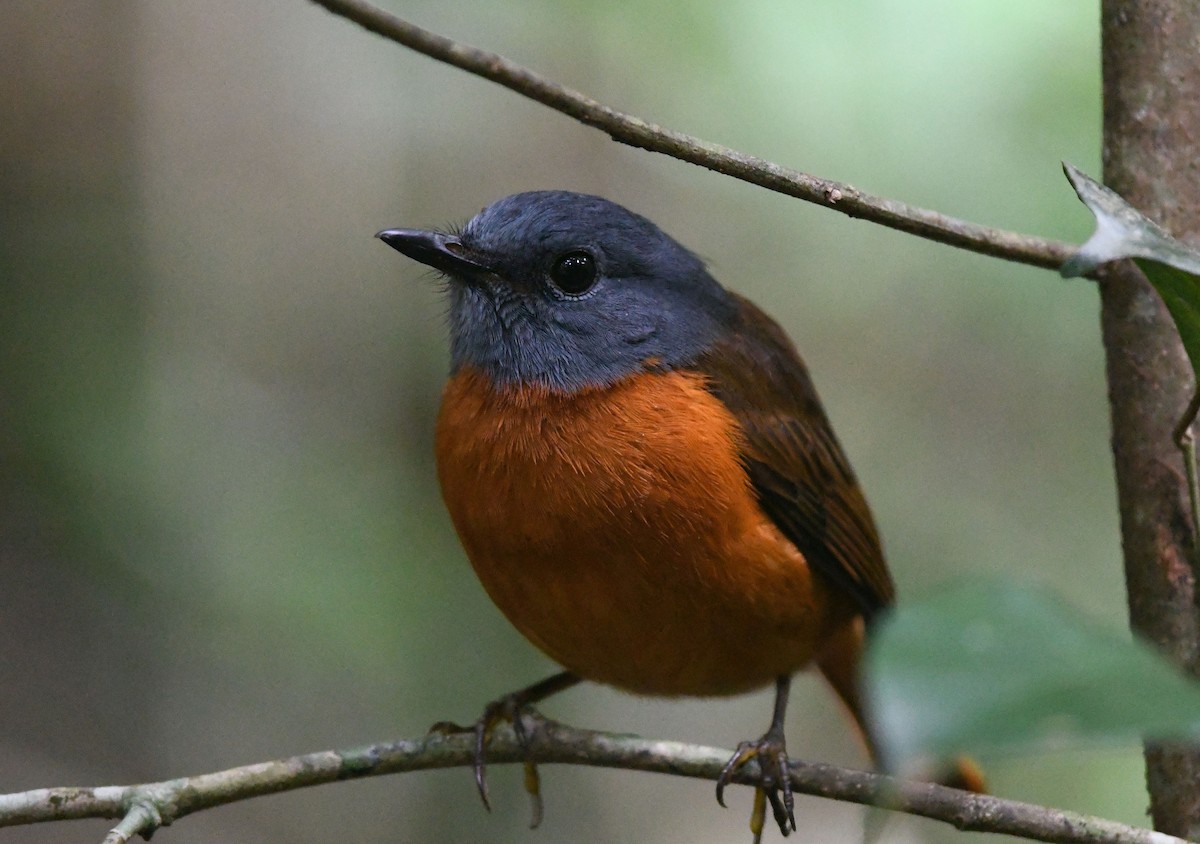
[840, 663]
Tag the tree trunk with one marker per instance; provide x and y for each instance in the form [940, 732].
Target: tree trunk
[1151, 149]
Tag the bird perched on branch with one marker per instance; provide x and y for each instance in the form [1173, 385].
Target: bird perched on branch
[640, 471]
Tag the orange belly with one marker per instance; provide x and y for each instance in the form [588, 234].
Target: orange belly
[617, 530]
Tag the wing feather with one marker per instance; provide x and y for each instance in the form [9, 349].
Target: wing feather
[797, 468]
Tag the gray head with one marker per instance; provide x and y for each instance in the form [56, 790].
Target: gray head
[569, 291]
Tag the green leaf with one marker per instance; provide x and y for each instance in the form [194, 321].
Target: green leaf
[1180, 290]
[1124, 232]
[992, 667]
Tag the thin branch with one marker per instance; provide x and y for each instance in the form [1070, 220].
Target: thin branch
[627, 129]
[143, 817]
[143, 808]
[1185, 440]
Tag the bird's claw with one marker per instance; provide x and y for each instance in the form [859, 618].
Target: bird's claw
[517, 709]
[775, 786]
[513, 709]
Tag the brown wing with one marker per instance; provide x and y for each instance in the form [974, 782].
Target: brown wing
[803, 480]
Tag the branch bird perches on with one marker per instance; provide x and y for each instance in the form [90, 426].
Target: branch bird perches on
[143, 808]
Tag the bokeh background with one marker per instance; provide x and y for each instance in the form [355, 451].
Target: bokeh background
[221, 539]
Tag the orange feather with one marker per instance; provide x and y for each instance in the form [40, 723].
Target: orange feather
[617, 529]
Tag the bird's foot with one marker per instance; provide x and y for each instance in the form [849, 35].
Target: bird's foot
[776, 784]
[517, 709]
[513, 709]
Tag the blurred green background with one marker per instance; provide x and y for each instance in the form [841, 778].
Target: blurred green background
[221, 539]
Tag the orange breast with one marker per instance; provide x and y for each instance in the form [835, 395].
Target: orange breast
[617, 530]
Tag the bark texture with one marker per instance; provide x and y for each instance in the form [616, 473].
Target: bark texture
[1151, 59]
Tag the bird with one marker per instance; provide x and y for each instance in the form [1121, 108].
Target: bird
[641, 473]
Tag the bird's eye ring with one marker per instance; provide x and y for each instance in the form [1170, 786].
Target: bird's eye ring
[574, 272]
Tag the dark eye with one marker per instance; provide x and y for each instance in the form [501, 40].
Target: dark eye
[574, 273]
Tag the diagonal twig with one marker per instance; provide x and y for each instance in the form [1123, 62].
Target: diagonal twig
[143, 808]
[627, 129]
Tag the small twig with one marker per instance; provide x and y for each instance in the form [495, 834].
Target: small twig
[142, 808]
[143, 818]
[627, 129]
[1186, 440]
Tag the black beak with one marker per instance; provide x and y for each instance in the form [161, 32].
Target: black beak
[443, 252]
